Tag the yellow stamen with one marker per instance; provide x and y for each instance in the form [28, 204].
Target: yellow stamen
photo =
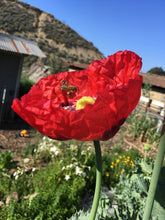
[81, 103]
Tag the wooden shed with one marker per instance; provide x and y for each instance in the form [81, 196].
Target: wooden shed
[77, 66]
[157, 83]
[12, 51]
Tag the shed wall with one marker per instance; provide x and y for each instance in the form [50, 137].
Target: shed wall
[9, 67]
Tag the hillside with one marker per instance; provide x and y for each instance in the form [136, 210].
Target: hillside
[53, 36]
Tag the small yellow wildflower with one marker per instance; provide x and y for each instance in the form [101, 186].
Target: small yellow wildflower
[132, 163]
[120, 157]
[117, 175]
[117, 161]
[111, 166]
[124, 156]
[112, 162]
[121, 172]
[150, 158]
[107, 174]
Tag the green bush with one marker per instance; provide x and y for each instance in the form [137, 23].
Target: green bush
[6, 161]
[56, 196]
[25, 85]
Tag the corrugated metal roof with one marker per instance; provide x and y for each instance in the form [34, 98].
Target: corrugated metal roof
[19, 45]
[153, 79]
[79, 65]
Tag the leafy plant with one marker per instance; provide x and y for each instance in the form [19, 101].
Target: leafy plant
[80, 215]
[6, 161]
[143, 126]
[25, 85]
[130, 194]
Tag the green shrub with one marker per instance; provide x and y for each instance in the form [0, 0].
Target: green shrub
[56, 197]
[6, 161]
[25, 85]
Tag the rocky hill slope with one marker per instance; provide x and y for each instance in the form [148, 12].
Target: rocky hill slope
[53, 36]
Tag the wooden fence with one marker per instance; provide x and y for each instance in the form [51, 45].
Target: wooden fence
[155, 109]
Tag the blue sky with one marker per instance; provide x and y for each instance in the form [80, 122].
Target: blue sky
[113, 25]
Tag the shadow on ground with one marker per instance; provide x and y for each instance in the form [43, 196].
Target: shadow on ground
[15, 124]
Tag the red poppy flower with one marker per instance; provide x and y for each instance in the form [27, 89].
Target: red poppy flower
[105, 95]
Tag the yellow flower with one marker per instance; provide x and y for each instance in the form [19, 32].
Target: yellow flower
[107, 174]
[121, 172]
[128, 157]
[124, 156]
[112, 162]
[117, 175]
[111, 166]
[132, 163]
[150, 158]
[117, 161]
[120, 157]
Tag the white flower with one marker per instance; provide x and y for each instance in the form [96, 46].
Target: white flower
[63, 168]
[57, 152]
[53, 149]
[78, 171]
[69, 166]
[67, 177]
[33, 169]
[15, 173]
[73, 147]
[26, 160]
[16, 177]
[89, 148]
[83, 152]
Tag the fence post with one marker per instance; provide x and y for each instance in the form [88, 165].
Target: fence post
[148, 105]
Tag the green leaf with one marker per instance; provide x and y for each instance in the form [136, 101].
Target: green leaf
[81, 215]
[158, 211]
[146, 168]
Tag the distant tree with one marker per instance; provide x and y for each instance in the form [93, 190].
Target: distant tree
[157, 70]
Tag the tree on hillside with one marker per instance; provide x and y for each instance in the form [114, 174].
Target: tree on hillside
[157, 70]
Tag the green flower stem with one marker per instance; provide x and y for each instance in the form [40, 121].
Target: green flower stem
[154, 179]
[98, 180]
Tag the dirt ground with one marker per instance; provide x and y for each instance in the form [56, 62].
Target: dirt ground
[10, 141]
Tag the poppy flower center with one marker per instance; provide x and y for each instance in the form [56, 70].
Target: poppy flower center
[81, 103]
